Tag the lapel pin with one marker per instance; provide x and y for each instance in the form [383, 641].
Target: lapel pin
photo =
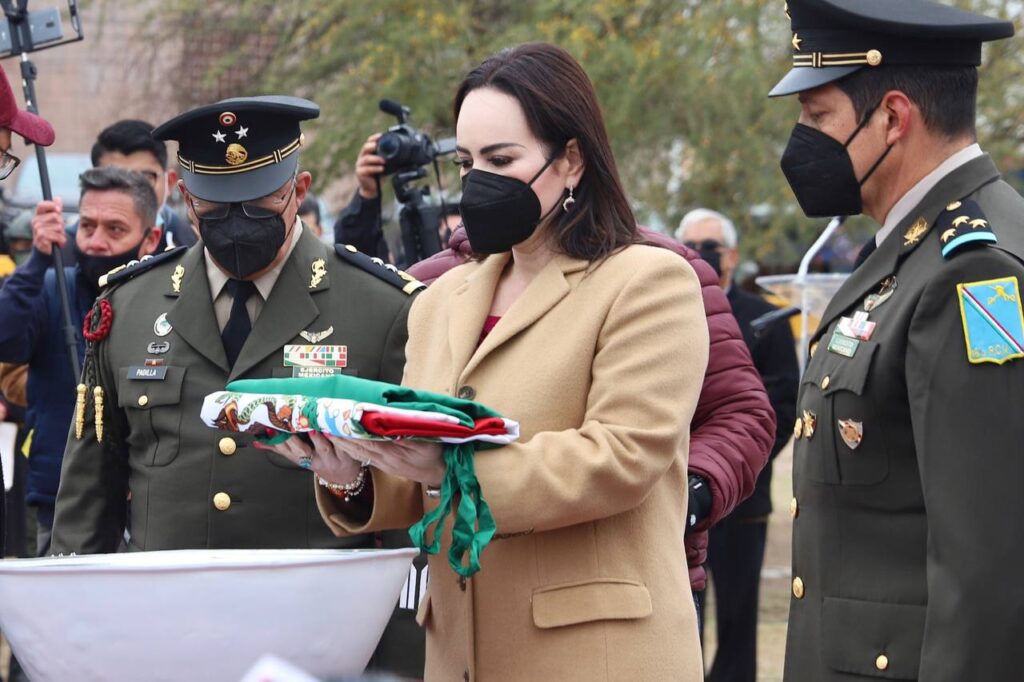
[319, 272]
[317, 337]
[179, 274]
[852, 432]
[162, 327]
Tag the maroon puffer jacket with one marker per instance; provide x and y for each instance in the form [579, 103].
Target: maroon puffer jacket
[733, 428]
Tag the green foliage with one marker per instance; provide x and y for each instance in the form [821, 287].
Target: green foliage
[683, 84]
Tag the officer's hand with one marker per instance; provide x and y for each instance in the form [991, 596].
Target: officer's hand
[48, 226]
[325, 458]
[369, 166]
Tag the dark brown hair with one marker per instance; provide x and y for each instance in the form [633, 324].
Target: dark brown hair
[946, 95]
[560, 105]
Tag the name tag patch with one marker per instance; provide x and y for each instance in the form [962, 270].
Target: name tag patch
[137, 373]
[842, 345]
[315, 372]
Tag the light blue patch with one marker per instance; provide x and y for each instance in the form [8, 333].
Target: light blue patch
[957, 242]
[993, 320]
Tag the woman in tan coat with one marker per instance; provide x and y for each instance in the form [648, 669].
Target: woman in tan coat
[598, 347]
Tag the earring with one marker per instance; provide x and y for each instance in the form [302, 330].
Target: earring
[569, 201]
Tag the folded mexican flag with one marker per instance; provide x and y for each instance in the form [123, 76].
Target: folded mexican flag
[350, 407]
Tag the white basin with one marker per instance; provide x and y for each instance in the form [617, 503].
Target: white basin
[198, 614]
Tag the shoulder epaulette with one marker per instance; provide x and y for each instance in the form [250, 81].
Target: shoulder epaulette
[378, 268]
[961, 224]
[134, 268]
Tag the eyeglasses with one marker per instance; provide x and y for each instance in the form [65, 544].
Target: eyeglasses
[706, 245]
[264, 207]
[8, 162]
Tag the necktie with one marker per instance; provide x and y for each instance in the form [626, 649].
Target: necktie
[865, 251]
[238, 327]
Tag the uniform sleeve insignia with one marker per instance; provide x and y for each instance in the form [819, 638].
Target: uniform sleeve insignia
[961, 224]
[378, 268]
[993, 320]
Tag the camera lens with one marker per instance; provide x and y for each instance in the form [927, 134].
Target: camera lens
[389, 145]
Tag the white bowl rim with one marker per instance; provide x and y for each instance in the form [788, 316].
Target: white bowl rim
[192, 560]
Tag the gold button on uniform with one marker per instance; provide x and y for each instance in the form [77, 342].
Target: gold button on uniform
[798, 428]
[143, 400]
[798, 588]
[814, 347]
[227, 446]
[882, 662]
[222, 501]
[825, 382]
[794, 508]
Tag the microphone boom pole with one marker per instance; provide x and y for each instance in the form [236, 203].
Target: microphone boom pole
[21, 44]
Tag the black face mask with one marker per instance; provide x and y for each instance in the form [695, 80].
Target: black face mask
[242, 245]
[94, 267]
[713, 258]
[820, 172]
[498, 211]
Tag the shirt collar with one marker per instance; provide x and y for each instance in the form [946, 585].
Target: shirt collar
[265, 283]
[912, 198]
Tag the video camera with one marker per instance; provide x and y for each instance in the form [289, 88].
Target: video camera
[407, 152]
[405, 148]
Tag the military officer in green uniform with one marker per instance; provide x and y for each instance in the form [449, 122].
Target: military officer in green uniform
[908, 463]
[258, 296]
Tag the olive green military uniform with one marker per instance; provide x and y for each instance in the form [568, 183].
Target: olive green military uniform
[909, 453]
[192, 486]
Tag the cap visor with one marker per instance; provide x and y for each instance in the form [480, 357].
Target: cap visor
[803, 78]
[245, 186]
[33, 128]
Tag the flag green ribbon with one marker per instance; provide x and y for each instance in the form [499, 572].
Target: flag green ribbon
[473, 525]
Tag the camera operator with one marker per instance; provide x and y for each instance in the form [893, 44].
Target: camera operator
[403, 153]
[359, 224]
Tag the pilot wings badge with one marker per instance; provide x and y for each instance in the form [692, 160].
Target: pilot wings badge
[317, 337]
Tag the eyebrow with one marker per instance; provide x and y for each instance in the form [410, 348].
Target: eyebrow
[491, 147]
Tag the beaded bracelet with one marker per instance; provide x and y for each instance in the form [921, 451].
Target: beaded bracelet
[347, 491]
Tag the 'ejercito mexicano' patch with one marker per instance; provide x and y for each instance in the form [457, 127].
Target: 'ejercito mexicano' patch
[993, 320]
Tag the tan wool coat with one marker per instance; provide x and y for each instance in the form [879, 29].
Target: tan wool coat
[601, 363]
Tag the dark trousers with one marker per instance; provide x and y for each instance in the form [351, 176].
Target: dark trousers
[735, 557]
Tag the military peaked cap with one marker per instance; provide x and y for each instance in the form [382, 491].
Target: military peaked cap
[833, 38]
[239, 149]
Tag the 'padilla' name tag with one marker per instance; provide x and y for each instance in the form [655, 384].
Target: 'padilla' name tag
[147, 373]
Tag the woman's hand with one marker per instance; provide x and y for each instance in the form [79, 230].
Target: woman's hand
[415, 460]
[338, 460]
[325, 457]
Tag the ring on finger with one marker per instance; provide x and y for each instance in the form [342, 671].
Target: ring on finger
[306, 462]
